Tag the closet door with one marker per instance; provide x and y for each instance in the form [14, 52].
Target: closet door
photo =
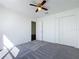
[49, 30]
[77, 30]
[68, 30]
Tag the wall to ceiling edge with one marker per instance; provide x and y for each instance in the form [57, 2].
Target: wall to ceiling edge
[62, 28]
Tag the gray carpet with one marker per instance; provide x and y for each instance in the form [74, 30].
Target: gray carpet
[45, 50]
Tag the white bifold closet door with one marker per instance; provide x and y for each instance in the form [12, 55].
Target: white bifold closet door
[77, 30]
[49, 30]
[68, 31]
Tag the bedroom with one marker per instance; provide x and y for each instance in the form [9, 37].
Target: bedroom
[60, 24]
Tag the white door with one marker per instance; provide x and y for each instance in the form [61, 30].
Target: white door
[68, 31]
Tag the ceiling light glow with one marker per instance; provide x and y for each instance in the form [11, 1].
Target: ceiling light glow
[39, 8]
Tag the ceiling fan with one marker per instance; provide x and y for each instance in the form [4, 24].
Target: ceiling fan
[40, 6]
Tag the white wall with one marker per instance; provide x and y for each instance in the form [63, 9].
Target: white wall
[1, 42]
[15, 26]
[62, 28]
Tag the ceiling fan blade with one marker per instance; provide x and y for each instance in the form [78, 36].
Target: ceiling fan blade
[44, 8]
[33, 5]
[36, 10]
[43, 2]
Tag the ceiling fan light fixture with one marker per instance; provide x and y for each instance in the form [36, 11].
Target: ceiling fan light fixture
[39, 8]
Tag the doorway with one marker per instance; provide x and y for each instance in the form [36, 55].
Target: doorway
[33, 31]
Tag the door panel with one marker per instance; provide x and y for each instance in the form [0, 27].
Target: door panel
[68, 31]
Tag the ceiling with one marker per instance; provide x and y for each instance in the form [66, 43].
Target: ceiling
[54, 6]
